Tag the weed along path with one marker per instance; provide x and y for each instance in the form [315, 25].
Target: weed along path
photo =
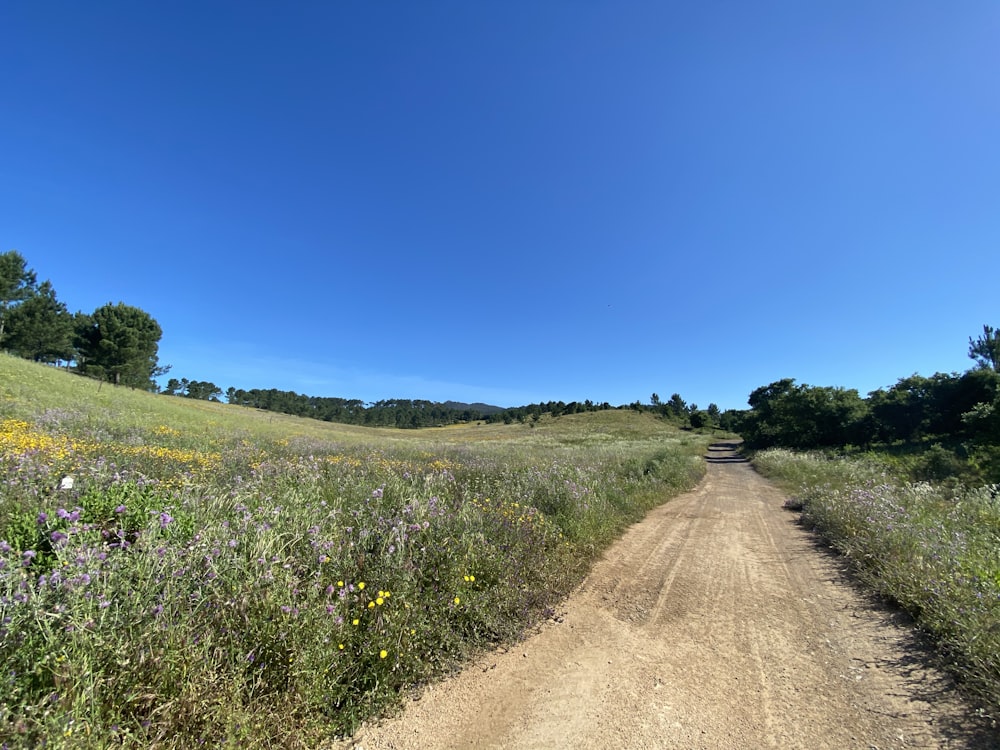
[714, 623]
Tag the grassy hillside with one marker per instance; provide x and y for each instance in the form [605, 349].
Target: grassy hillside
[181, 572]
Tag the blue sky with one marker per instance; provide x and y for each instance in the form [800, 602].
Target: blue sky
[515, 202]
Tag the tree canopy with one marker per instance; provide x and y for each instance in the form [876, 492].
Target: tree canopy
[802, 416]
[985, 349]
[198, 389]
[17, 283]
[961, 410]
[40, 327]
[120, 345]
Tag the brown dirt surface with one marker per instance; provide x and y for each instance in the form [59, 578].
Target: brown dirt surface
[716, 622]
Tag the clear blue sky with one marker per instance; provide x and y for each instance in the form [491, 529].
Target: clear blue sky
[515, 202]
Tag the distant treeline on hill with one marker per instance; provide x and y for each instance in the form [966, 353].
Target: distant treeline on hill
[405, 413]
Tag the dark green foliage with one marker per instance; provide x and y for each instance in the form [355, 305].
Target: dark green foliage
[478, 408]
[534, 412]
[40, 327]
[17, 283]
[120, 346]
[199, 389]
[82, 326]
[677, 406]
[961, 411]
[904, 411]
[704, 418]
[919, 408]
[731, 420]
[803, 416]
[404, 413]
[699, 419]
[983, 422]
[117, 343]
[985, 349]
[937, 464]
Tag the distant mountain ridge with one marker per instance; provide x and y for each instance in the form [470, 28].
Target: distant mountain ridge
[481, 408]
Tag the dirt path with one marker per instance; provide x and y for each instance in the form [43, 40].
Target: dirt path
[714, 623]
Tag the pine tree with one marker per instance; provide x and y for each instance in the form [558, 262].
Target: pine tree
[40, 327]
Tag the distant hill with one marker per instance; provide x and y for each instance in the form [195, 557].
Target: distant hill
[481, 408]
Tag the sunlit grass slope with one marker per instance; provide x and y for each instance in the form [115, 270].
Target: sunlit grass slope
[178, 572]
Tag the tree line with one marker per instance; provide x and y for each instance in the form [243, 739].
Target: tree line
[403, 413]
[117, 343]
[960, 412]
[408, 413]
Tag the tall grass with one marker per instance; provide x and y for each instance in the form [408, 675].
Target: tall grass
[934, 549]
[178, 573]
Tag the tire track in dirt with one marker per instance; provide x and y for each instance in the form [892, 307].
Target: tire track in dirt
[716, 622]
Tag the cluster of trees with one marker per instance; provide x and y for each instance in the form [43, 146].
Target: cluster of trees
[407, 413]
[956, 408]
[117, 342]
[678, 410]
[199, 389]
[534, 412]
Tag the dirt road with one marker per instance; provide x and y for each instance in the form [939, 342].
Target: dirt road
[714, 623]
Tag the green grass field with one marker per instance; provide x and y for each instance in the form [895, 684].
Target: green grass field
[221, 576]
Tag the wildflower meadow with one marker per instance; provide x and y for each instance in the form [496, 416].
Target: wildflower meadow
[179, 573]
[932, 548]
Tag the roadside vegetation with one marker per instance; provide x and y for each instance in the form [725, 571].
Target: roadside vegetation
[177, 572]
[934, 548]
[905, 484]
